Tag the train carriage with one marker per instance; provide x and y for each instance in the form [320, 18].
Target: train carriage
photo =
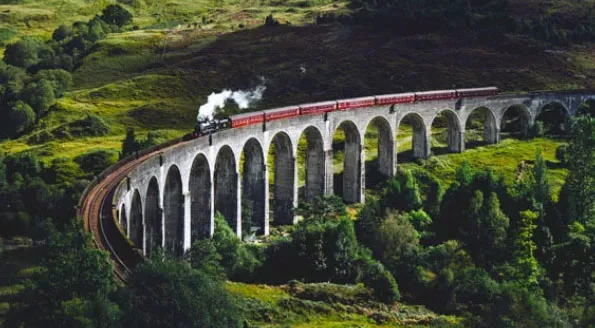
[281, 113]
[347, 104]
[399, 98]
[318, 108]
[477, 92]
[435, 95]
[246, 119]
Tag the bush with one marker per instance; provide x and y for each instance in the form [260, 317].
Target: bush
[538, 129]
[40, 96]
[24, 52]
[20, 118]
[562, 154]
[382, 282]
[97, 160]
[116, 15]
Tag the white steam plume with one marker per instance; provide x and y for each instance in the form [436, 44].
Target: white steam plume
[242, 98]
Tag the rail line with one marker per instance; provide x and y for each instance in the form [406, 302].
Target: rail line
[95, 208]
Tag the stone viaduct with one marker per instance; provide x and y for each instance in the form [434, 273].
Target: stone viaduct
[170, 199]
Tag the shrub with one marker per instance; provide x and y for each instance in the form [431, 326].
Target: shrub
[20, 118]
[562, 154]
[96, 160]
[23, 53]
[538, 129]
[383, 284]
[116, 15]
[61, 33]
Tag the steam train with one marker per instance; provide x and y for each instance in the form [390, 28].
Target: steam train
[206, 127]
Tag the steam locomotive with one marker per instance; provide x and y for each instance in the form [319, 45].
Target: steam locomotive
[206, 127]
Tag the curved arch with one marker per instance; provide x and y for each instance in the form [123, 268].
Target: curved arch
[136, 220]
[253, 185]
[284, 181]
[386, 145]
[419, 139]
[454, 138]
[314, 163]
[173, 207]
[524, 120]
[550, 103]
[123, 218]
[200, 188]
[153, 218]
[353, 169]
[226, 186]
[555, 116]
[490, 129]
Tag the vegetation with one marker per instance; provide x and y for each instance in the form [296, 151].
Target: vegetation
[80, 79]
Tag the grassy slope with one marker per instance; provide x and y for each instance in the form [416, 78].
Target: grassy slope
[277, 306]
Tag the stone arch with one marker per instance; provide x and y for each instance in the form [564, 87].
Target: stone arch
[419, 140]
[284, 182]
[173, 206]
[253, 184]
[200, 188]
[352, 164]
[454, 139]
[314, 163]
[560, 112]
[136, 220]
[123, 218]
[490, 128]
[386, 145]
[153, 218]
[524, 119]
[226, 186]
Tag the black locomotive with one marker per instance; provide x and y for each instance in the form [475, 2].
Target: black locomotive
[206, 126]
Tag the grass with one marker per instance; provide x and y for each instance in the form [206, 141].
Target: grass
[328, 305]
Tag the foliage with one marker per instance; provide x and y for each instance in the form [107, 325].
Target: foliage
[116, 15]
[562, 154]
[72, 288]
[95, 161]
[20, 117]
[203, 256]
[322, 208]
[163, 291]
[581, 166]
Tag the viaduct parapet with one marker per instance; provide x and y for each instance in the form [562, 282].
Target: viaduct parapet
[170, 199]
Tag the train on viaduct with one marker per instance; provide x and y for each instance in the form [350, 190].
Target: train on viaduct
[167, 196]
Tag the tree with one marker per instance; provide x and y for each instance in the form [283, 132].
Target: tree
[116, 15]
[525, 267]
[323, 208]
[581, 166]
[368, 221]
[541, 190]
[23, 53]
[96, 160]
[164, 292]
[60, 80]
[203, 256]
[396, 241]
[61, 33]
[129, 144]
[72, 286]
[20, 118]
[40, 96]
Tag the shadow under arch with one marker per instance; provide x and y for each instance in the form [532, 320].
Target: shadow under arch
[481, 120]
[253, 187]
[173, 207]
[449, 120]
[383, 165]
[419, 140]
[153, 218]
[136, 220]
[313, 162]
[515, 121]
[349, 182]
[283, 179]
[200, 187]
[226, 186]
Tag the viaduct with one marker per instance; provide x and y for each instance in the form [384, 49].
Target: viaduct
[167, 196]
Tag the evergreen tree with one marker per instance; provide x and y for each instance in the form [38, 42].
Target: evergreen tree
[129, 144]
[581, 166]
[541, 189]
[526, 268]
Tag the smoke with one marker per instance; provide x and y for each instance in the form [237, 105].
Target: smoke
[241, 97]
